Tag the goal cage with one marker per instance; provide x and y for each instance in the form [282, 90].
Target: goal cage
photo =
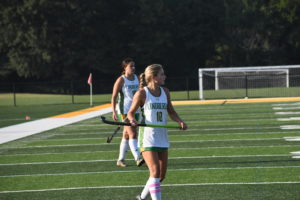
[249, 82]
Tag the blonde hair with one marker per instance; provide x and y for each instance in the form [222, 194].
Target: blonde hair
[150, 72]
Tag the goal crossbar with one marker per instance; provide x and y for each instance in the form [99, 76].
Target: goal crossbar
[284, 68]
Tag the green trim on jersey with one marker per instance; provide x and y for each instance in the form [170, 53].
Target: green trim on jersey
[121, 102]
[158, 149]
[141, 136]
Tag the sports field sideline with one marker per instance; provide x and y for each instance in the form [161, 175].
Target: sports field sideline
[15, 132]
[231, 151]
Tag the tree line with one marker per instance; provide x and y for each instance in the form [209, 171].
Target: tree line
[66, 40]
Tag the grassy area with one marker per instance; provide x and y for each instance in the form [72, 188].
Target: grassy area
[252, 93]
[11, 115]
[42, 105]
[45, 105]
[7, 99]
[230, 151]
[23, 99]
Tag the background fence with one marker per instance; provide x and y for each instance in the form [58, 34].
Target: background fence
[250, 86]
[78, 91]
[182, 88]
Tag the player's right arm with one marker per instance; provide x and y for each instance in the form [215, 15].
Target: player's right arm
[116, 89]
[138, 101]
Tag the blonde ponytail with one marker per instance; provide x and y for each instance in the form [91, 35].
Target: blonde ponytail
[150, 72]
[143, 80]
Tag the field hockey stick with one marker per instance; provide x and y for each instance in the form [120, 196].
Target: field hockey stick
[109, 138]
[223, 103]
[141, 124]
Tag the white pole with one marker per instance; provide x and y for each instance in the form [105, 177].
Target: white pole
[200, 85]
[91, 94]
[287, 79]
[216, 80]
[90, 82]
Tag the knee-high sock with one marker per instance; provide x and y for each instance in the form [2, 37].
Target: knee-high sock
[145, 191]
[123, 149]
[154, 188]
[134, 148]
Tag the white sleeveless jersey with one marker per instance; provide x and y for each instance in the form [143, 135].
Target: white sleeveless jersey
[154, 112]
[126, 94]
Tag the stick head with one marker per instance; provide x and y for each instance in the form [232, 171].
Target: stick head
[109, 139]
[102, 118]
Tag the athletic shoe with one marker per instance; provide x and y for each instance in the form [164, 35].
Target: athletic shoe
[121, 163]
[138, 197]
[140, 162]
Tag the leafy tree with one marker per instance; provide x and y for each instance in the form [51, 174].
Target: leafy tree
[54, 39]
[258, 33]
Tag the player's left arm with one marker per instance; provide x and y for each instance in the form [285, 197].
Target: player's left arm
[172, 113]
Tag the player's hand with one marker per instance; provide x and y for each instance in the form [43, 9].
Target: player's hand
[114, 116]
[183, 125]
[133, 123]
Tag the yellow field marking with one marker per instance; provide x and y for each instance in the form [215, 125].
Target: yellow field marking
[196, 102]
[222, 101]
[80, 112]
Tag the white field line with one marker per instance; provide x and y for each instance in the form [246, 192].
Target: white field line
[183, 132]
[295, 152]
[296, 157]
[290, 127]
[141, 186]
[62, 162]
[84, 152]
[286, 104]
[289, 119]
[188, 141]
[222, 147]
[183, 141]
[292, 139]
[181, 135]
[145, 170]
[189, 130]
[238, 128]
[35, 154]
[287, 113]
[170, 136]
[226, 140]
[171, 158]
[190, 122]
[286, 108]
[95, 132]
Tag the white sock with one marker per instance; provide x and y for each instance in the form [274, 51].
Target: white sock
[134, 148]
[145, 191]
[154, 188]
[123, 149]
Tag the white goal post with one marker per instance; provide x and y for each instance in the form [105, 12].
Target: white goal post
[239, 77]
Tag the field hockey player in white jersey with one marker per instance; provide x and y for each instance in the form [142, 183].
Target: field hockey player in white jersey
[124, 88]
[153, 141]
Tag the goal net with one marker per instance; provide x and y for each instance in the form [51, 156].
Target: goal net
[244, 82]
